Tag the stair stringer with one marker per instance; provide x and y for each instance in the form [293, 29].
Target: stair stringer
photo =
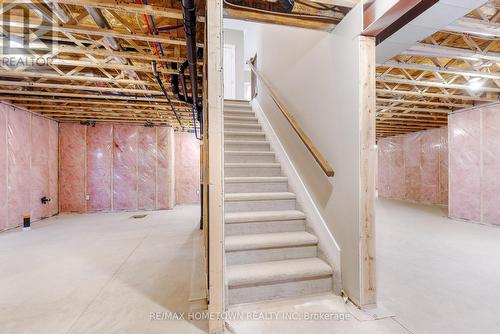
[328, 247]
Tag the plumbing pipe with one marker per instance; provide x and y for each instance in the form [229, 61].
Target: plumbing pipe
[156, 74]
[189, 13]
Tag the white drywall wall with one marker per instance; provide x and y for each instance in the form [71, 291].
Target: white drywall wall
[316, 74]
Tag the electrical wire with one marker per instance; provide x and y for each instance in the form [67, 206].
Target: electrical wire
[303, 16]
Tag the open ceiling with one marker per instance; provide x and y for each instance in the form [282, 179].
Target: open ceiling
[455, 68]
[94, 71]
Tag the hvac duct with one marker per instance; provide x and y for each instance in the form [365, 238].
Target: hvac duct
[101, 22]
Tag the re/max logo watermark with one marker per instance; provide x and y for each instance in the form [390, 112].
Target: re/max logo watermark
[26, 35]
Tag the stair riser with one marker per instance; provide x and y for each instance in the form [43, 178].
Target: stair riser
[237, 106]
[252, 171]
[249, 158]
[238, 111]
[256, 187]
[234, 136]
[239, 295]
[241, 120]
[242, 127]
[265, 227]
[276, 254]
[247, 147]
[264, 205]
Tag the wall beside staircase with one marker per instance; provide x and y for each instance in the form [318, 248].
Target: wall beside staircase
[325, 82]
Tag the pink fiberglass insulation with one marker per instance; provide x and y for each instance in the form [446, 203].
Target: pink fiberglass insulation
[475, 164]
[53, 167]
[165, 178]
[72, 141]
[465, 170]
[39, 167]
[413, 167]
[3, 167]
[490, 182]
[125, 167]
[26, 164]
[187, 166]
[147, 152]
[19, 175]
[99, 166]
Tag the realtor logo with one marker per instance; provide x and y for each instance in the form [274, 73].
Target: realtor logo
[26, 33]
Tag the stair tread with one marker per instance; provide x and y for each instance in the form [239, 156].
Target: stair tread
[258, 196]
[259, 216]
[245, 133]
[243, 142]
[249, 152]
[252, 164]
[235, 123]
[276, 271]
[269, 240]
[255, 179]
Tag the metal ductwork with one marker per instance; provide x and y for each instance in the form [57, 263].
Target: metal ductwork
[189, 13]
[57, 10]
[101, 22]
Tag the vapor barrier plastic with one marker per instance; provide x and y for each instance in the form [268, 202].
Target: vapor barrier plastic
[414, 167]
[72, 167]
[99, 163]
[475, 164]
[125, 173]
[28, 166]
[187, 166]
[124, 167]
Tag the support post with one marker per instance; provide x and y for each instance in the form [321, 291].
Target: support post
[216, 163]
[367, 105]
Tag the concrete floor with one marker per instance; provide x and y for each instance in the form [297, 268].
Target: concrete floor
[102, 273]
[436, 274]
[106, 273]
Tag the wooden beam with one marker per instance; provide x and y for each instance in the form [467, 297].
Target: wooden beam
[254, 16]
[216, 274]
[138, 9]
[367, 111]
[67, 78]
[78, 87]
[425, 103]
[88, 30]
[435, 95]
[86, 96]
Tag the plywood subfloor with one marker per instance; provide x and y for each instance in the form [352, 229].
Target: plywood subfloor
[436, 274]
[102, 273]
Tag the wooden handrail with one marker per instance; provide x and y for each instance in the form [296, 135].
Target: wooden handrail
[320, 159]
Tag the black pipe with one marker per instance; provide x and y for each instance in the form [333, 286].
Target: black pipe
[287, 5]
[158, 79]
[189, 13]
[182, 68]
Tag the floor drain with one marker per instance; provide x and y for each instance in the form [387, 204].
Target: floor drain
[138, 216]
